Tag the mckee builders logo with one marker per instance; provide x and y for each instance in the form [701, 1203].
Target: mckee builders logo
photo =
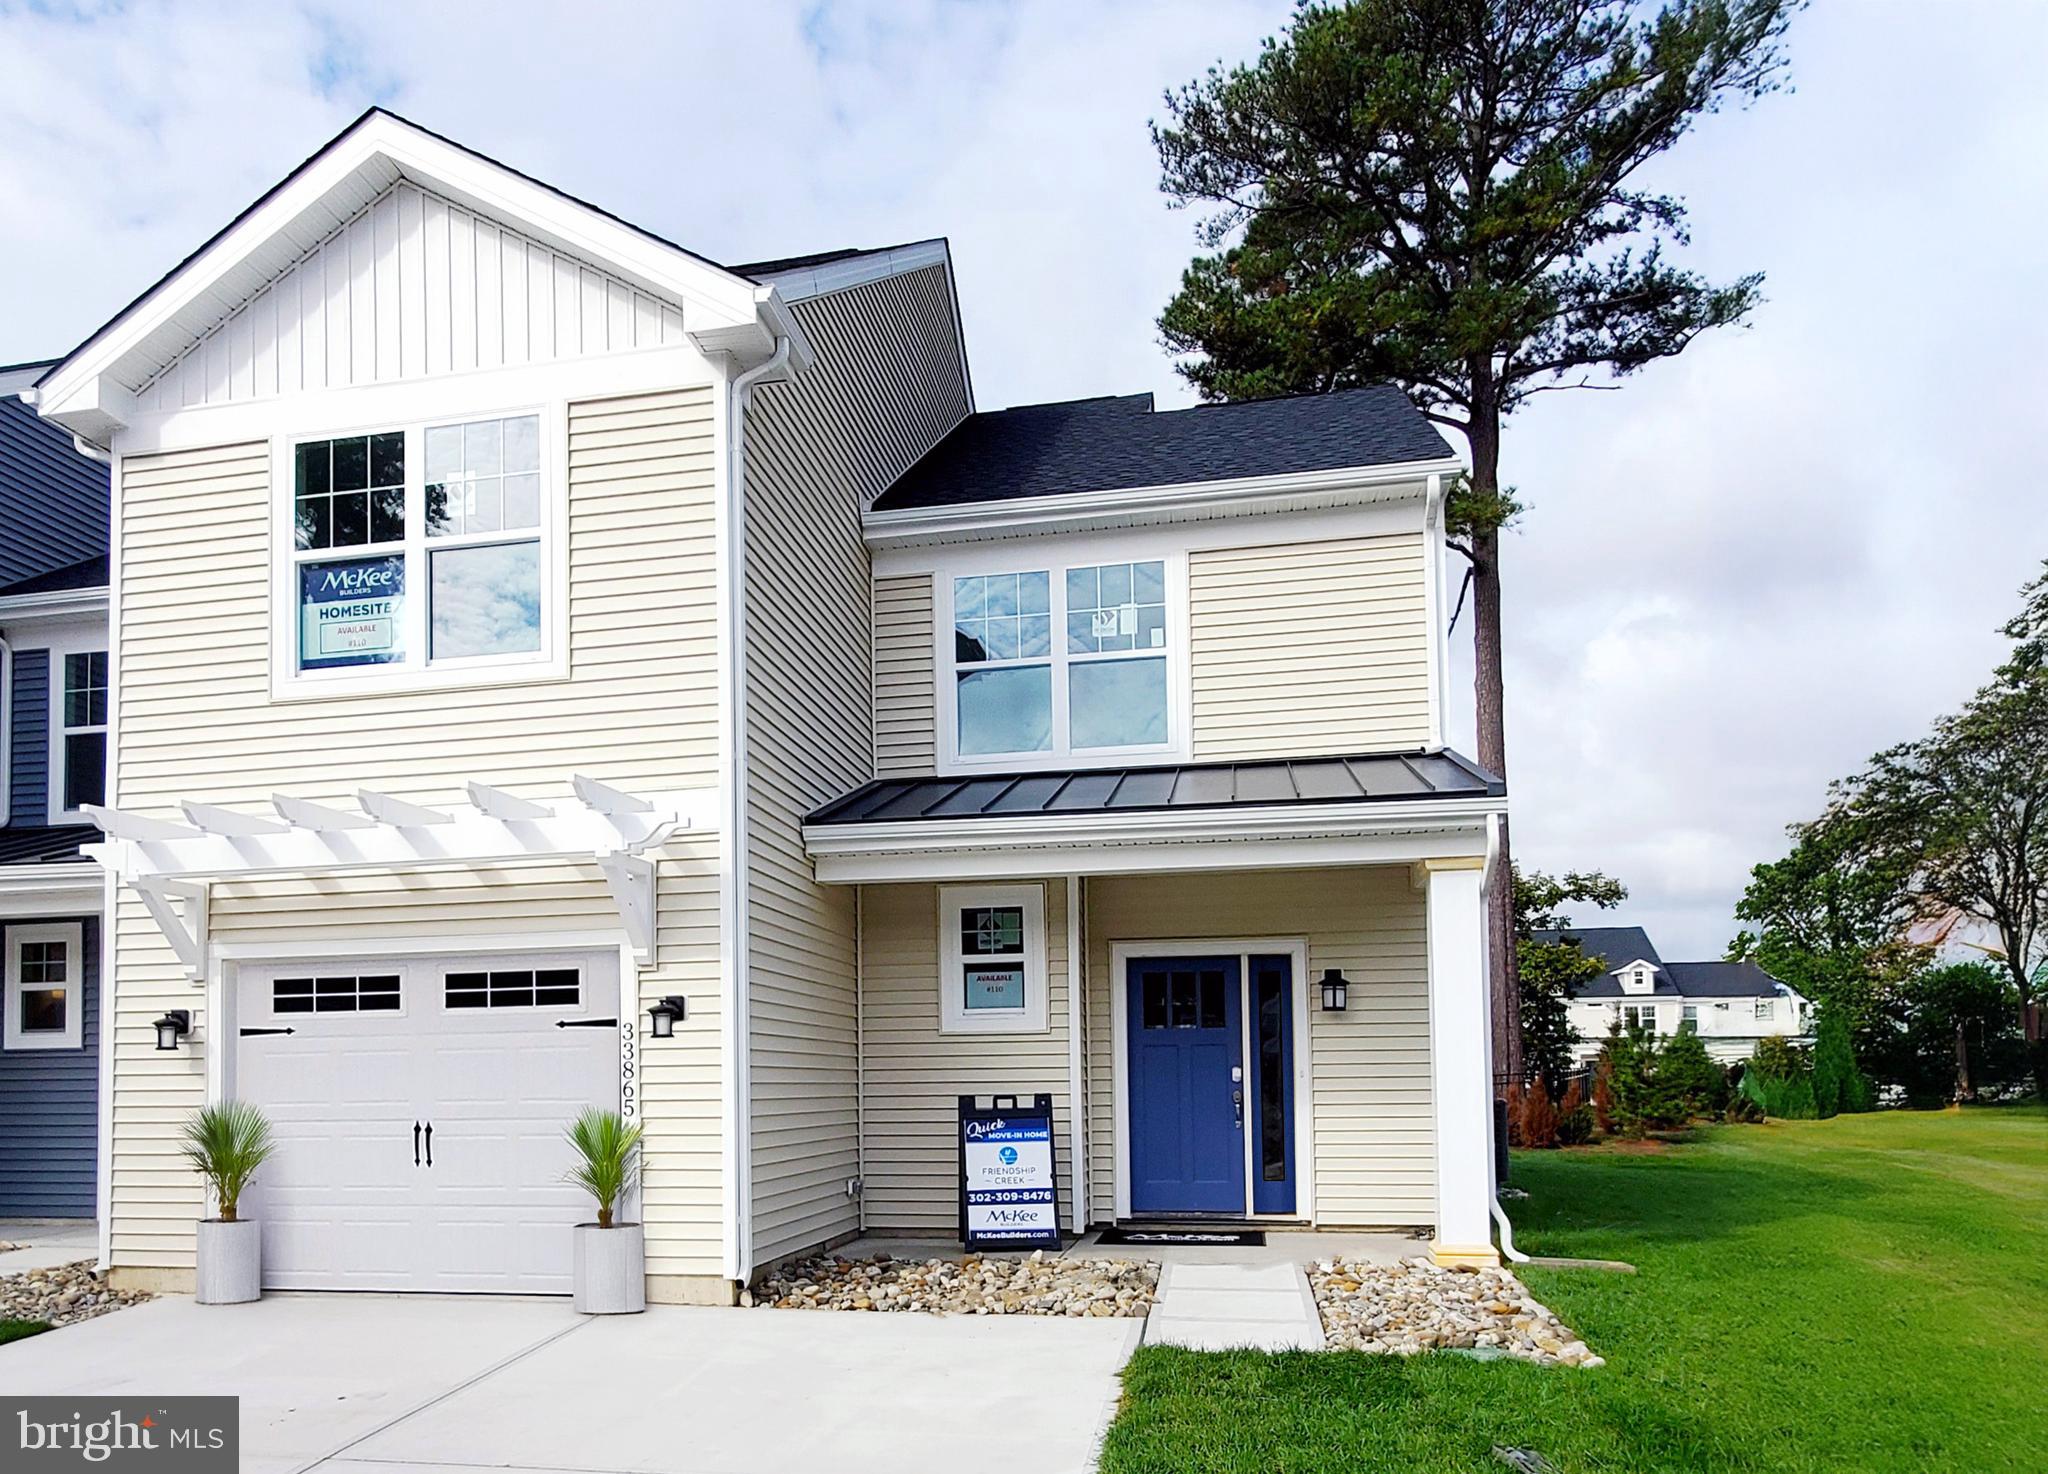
[168, 1435]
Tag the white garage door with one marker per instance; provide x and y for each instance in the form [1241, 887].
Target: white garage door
[419, 1107]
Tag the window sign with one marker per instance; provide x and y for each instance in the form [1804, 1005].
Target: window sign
[1009, 1190]
[995, 987]
[351, 613]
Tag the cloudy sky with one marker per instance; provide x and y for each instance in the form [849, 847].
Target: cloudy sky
[1739, 575]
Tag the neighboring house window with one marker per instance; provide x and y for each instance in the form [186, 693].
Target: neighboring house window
[1643, 1017]
[1764, 1009]
[992, 959]
[420, 547]
[1689, 1019]
[82, 743]
[1060, 661]
[45, 988]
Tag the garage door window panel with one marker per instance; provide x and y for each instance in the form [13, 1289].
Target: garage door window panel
[546, 987]
[380, 993]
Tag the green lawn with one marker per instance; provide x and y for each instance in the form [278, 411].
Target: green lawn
[1865, 1293]
[15, 1330]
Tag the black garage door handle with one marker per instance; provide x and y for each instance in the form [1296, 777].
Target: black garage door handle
[586, 1023]
[415, 1143]
[430, 1143]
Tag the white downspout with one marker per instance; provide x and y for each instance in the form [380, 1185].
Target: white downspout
[738, 1049]
[1507, 1236]
[1507, 1229]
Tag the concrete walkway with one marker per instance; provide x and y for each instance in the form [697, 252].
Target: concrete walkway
[1217, 1306]
[50, 1241]
[360, 1384]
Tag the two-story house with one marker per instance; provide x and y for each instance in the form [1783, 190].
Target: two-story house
[1730, 1005]
[53, 724]
[551, 668]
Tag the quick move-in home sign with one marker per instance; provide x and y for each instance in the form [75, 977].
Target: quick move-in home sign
[1009, 1192]
[351, 612]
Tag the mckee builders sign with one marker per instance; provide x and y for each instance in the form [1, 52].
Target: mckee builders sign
[351, 613]
[1009, 1192]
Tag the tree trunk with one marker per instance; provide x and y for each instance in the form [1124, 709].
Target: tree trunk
[1963, 1090]
[1490, 710]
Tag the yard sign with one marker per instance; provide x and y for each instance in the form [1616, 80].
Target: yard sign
[1009, 1190]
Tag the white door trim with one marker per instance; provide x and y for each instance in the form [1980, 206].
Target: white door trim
[1293, 948]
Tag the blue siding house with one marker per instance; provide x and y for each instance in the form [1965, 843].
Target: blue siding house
[54, 706]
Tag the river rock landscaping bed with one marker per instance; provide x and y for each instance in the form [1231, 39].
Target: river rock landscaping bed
[970, 1286]
[1415, 1306]
[61, 1295]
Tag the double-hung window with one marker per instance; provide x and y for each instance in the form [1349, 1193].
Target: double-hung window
[1642, 1017]
[44, 994]
[992, 971]
[1062, 660]
[420, 547]
[82, 730]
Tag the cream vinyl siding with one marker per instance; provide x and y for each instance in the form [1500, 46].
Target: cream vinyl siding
[914, 1075]
[411, 285]
[1309, 648]
[194, 719]
[885, 386]
[1370, 1064]
[906, 724]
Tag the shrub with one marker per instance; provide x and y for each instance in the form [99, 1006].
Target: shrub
[1574, 1117]
[1645, 1096]
[1778, 1058]
[607, 1158]
[1538, 1117]
[1603, 1086]
[1837, 1084]
[1690, 1077]
[1789, 1099]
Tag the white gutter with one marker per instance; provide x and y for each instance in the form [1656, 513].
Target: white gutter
[736, 1045]
[1080, 511]
[54, 604]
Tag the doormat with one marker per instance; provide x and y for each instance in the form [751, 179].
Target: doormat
[1249, 1238]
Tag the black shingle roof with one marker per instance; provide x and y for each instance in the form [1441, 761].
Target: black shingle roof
[88, 573]
[1722, 979]
[1371, 777]
[1618, 946]
[1122, 442]
[53, 501]
[42, 844]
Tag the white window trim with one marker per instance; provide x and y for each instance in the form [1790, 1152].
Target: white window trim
[1054, 558]
[416, 672]
[954, 1015]
[82, 642]
[72, 935]
[1766, 1008]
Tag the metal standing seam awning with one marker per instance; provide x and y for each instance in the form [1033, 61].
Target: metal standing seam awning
[1325, 810]
[171, 865]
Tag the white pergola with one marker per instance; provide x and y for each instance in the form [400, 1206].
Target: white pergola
[172, 866]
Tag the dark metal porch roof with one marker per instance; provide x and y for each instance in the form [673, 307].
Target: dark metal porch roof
[1365, 778]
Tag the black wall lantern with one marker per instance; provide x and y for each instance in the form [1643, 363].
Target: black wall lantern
[1335, 991]
[664, 1014]
[174, 1023]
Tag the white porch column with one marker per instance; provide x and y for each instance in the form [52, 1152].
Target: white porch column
[1461, 1072]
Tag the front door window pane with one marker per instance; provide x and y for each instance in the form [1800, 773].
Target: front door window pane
[486, 600]
[1117, 703]
[1005, 709]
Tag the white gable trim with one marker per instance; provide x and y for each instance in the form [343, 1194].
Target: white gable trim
[91, 391]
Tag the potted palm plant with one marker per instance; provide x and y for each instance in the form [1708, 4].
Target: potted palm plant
[225, 1144]
[610, 1257]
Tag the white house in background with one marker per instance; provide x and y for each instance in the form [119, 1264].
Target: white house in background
[1730, 1005]
[522, 624]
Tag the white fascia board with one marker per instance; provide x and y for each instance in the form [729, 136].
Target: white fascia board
[800, 284]
[1126, 506]
[57, 604]
[85, 392]
[1095, 844]
[63, 889]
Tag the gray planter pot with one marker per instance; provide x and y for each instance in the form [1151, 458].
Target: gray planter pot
[610, 1269]
[230, 1262]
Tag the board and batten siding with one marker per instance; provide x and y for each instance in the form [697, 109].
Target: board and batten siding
[906, 723]
[638, 708]
[411, 285]
[1374, 1136]
[1310, 648]
[913, 1074]
[886, 384]
[49, 1104]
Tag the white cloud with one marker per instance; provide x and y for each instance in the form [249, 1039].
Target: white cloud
[1741, 573]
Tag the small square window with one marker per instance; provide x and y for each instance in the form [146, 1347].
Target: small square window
[992, 959]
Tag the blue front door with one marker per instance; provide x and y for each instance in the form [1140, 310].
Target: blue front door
[1186, 1085]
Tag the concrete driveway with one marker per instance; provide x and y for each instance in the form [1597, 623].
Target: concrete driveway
[379, 1384]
